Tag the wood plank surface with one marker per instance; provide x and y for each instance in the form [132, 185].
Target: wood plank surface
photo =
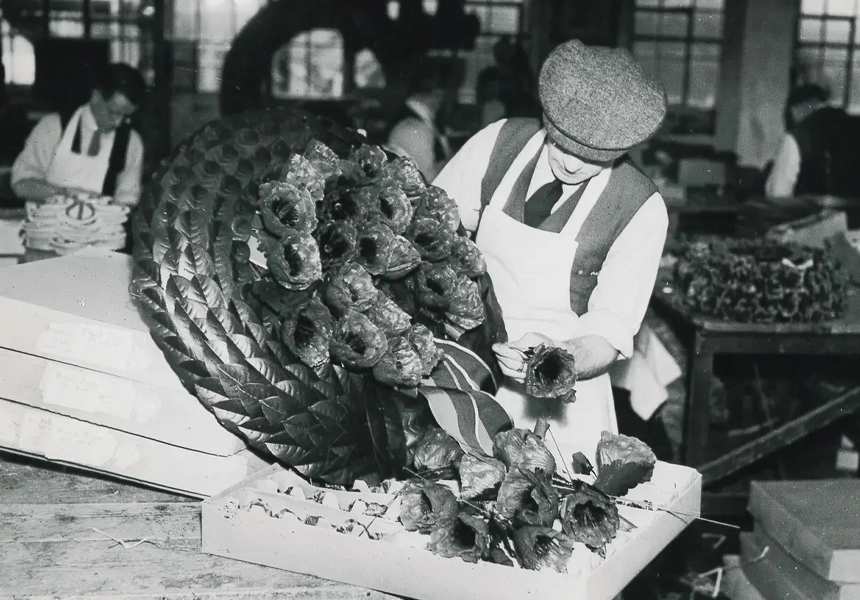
[28, 480]
[139, 550]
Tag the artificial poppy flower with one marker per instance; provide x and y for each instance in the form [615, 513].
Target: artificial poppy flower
[551, 373]
[386, 315]
[435, 452]
[524, 449]
[427, 506]
[284, 206]
[466, 259]
[424, 343]
[337, 241]
[543, 548]
[430, 238]
[308, 331]
[374, 248]
[479, 476]
[436, 204]
[350, 287]
[589, 516]
[403, 260]
[323, 159]
[406, 173]
[400, 366]
[293, 259]
[357, 343]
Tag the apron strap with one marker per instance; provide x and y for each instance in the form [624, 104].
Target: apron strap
[117, 160]
[626, 192]
[513, 137]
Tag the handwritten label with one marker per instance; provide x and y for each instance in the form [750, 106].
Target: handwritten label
[62, 438]
[105, 346]
[88, 391]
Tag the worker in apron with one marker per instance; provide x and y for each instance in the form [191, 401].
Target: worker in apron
[571, 231]
[91, 150]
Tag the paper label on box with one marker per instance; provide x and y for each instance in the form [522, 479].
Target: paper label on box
[62, 438]
[88, 391]
[100, 345]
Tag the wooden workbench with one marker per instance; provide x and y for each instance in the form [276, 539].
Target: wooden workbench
[66, 534]
[706, 337]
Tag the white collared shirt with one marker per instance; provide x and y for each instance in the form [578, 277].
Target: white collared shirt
[626, 281]
[35, 159]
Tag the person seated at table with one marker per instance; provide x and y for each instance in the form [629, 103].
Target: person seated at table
[820, 154]
[91, 149]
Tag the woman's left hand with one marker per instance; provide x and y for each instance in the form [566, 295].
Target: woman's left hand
[512, 356]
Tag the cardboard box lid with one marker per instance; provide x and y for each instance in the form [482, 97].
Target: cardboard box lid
[65, 440]
[173, 417]
[78, 310]
[777, 575]
[817, 522]
[94, 287]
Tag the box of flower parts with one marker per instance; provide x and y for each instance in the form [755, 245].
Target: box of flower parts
[276, 518]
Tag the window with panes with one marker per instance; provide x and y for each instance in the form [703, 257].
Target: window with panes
[312, 64]
[680, 42]
[826, 53]
[125, 24]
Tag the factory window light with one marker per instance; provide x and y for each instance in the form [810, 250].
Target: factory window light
[826, 50]
[310, 66]
[680, 43]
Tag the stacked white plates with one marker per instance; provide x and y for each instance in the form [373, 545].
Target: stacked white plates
[66, 224]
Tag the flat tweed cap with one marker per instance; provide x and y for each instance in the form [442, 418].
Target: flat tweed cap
[597, 102]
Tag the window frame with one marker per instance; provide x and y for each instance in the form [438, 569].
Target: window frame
[687, 41]
[851, 46]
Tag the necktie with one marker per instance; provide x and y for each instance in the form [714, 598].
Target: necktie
[539, 207]
[95, 143]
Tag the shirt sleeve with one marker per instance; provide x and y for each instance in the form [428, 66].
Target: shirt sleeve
[35, 159]
[462, 176]
[128, 182]
[414, 138]
[786, 167]
[619, 300]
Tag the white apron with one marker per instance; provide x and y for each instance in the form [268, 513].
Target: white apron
[73, 171]
[530, 269]
[69, 170]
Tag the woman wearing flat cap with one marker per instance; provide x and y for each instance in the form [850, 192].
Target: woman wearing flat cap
[571, 231]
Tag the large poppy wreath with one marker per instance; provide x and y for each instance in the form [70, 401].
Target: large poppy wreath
[317, 295]
[324, 302]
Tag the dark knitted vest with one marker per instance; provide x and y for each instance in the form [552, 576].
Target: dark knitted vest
[829, 154]
[625, 193]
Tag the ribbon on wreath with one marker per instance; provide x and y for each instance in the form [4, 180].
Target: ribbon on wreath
[461, 394]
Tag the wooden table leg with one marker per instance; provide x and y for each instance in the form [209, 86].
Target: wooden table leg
[698, 411]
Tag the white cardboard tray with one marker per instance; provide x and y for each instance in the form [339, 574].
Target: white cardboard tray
[416, 573]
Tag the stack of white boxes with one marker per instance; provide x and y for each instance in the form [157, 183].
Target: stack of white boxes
[83, 383]
[805, 544]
